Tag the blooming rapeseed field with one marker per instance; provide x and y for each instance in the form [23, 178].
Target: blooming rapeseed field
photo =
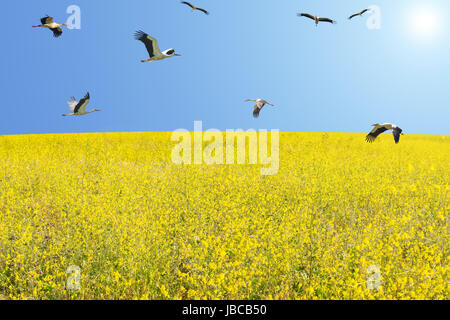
[342, 219]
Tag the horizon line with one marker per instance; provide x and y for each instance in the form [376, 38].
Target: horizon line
[224, 131]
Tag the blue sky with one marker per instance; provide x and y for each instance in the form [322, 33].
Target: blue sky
[333, 78]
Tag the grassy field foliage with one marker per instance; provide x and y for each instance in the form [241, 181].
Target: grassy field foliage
[140, 227]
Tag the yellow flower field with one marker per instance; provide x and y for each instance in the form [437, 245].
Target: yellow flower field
[140, 227]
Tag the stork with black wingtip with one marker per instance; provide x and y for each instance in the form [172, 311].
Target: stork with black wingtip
[358, 14]
[194, 7]
[78, 108]
[260, 103]
[316, 18]
[152, 47]
[47, 22]
[380, 128]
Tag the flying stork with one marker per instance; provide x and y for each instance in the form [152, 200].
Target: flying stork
[380, 128]
[260, 103]
[358, 14]
[194, 7]
[316, 19]
[78, 108]
[152, 47]
[47, 22]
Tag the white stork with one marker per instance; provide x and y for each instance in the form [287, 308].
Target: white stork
[194, 7]
[47, 22]
[78, 108]
[152, 47]
[316, 19]
[358, 14]
[380, 128]
[260, 103]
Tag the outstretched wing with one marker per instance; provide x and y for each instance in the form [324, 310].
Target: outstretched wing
[46, 20]
[307, 15]
[189, 4]
[358, 14]
[150, 43]
[203, 10]
[364, 11]
[374, 134]
[257, 109]
[397, 131]
[72, 104]
[327, 20]
[57, 32]
[81, 106]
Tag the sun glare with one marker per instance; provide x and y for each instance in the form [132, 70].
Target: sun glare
[424, 22]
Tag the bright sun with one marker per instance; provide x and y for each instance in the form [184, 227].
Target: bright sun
[424, 22]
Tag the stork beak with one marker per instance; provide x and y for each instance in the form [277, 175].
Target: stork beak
[177, 55]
